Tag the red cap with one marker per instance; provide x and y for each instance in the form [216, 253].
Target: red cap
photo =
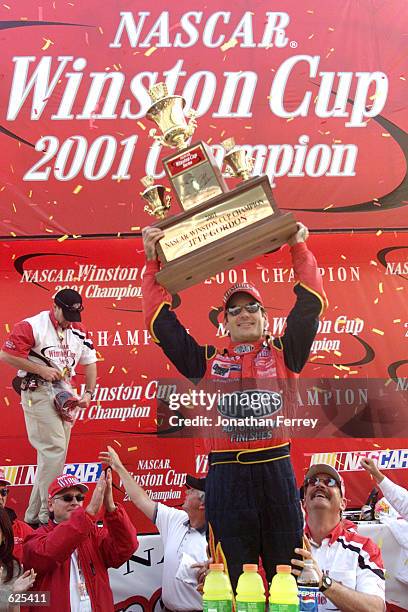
[65, 481]
[242, 288]
[3, 480]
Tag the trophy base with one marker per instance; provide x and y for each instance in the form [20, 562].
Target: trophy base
[267, 235]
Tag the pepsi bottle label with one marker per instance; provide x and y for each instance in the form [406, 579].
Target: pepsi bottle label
[308, 598]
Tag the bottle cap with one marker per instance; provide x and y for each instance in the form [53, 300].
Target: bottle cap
[284, 569]
[250, 567]
[218, 567]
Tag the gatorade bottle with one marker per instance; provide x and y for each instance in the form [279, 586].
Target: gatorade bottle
[250, 590]
[217, 593]
[308, 585]
[283, 595]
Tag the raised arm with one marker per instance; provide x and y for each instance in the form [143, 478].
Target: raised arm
[136, 493]
[182, 349]
[302, 322]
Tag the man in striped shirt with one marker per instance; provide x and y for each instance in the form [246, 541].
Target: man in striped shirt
[349, 565]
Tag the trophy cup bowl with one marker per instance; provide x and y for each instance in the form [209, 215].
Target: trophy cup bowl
[158, 202]
[237, 160]
[168, 114]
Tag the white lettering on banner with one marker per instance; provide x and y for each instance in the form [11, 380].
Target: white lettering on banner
[400, 267]
[153, 390]
[349, 461]
[97, 413]
[341, 325]
[158, 33]
[24, 475]
[84, 273]
[43, 84]
[340, 397]
[330, 273]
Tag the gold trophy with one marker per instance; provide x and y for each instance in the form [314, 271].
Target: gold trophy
[218, 228]
[237, 161]
[167, 112]
[192, 171]
[158, 202]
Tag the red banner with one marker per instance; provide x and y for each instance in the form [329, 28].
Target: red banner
[316, 92]
[362, 336]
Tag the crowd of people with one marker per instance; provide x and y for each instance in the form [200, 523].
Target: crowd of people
[247, 509]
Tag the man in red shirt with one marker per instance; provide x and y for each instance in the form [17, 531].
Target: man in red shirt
[71, 554]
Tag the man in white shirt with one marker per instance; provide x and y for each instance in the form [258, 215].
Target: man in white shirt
[349, 566]
[182, 532]
[396, 495]
[46, 350]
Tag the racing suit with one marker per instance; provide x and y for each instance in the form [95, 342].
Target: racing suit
[252, 501]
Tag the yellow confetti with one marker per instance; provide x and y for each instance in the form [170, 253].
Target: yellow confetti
[124, 370]
[329, 206]
[77, 189]
[310, 37]
[132, 448]
[385, 134]
[135, 228]
[343, 256]
[6, 401]
[118, 443]
[229, 44]
[378, 232]
[62, 238]
[377, 331]
[380, 287]
[6, 6]
[397, 321]
[150, 51]
[14, 207]
[13, 234]
[100, 29]
[112, 369]
[143, 376]
[48, 43]
[337, 353]
[376, 301]
[140, 124]
[7, 326]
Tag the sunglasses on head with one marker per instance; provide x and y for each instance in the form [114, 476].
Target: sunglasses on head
[234, 311]
[4, 492]
[329, 481]
[68, 497]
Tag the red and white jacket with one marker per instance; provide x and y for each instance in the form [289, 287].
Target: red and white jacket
[48, 551]
[36, 339]
[263, 362]
[349, 558]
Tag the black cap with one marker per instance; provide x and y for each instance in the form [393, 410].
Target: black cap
[71, 303]
[195, 483]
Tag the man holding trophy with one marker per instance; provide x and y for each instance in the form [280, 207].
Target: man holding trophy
[252, 502]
